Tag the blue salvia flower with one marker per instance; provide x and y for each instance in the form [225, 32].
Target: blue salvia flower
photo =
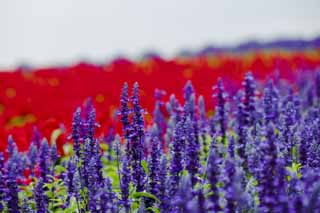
[12, 146]
[158, 116]
[182, 199]
[12, 188]
[176, 166]
[249, 99]
[108, 139]
[162, 196]
[91, 124]
[221, 110]
[306, 139]
[125, 111]
[241, 128]
[154, 164]
[54, 155]
[317, 85]
[310, 183]
[270, 103]
[271, 187]
[229, 178]
[137, 140]
[93, 185]
[97, 155]
[76, 131]
[36, 137]
[69, 178]
[203, 126]
[40, 197]
[188, 90]
[124, 184]
[107, 198]
[288, 129]
[213, 172]
[44, 160]
[32, 156]
[2, 181]
[192, 150]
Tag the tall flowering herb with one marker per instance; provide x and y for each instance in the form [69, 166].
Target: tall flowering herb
[317, 82]
[163, 193]
[91, 126]
[213, 172]
[44, 160]
[158, 115]
[107, 198]
[70, 178]
[12, 146]
[137, 141]
[177, 162]
[124, 184]
[154, 165]
[269, 187]
[288, 128]
[2, 182]
[12, 188]
[36, 137]
[192, 150]
[249, 100]
[32, 157]
[241, 128]
[182, 199]
[270, 103]
[189, 97]
[125, 111]
[203, 126]
[76, 131]
[229, 179]
[40, 197]
[221, 110]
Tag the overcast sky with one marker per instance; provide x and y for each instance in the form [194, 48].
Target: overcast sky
[45, 32]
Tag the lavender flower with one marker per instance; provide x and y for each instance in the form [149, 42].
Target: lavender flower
[213, 172]
[222, 109]
[249, 99]
[2, 181]
[40, 197]
[12, 188]
[124, 184]
[44, 160]
[124, 110]
[177, 156]
[76, 128]
[192, 150]
[137, 140]
[270, 103]
[32, 156]
[154, 165]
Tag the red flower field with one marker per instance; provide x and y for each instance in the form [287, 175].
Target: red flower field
[46, 97]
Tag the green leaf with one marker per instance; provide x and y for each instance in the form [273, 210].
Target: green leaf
[145, 167]
[144, 194]
[153, 209]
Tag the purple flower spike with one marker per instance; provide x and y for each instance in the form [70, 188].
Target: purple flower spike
[177, 149]
[76, 131]
[192, 150]
[249, 99]
[40, 197]
[44, 160]
[222, 112]
[137, 140]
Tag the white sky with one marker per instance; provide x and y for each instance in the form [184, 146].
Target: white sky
[45, 32]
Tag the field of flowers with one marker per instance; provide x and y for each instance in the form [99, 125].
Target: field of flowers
[222, 132]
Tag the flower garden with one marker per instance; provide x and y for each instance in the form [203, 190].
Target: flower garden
[229, 131]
